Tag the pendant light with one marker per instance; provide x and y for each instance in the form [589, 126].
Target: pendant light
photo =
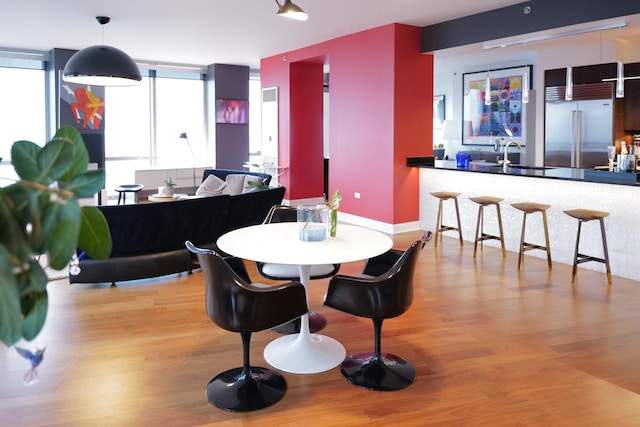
[525, 87]
[568, 93]
[487, 90]
[292, 11]
[525, 79]
[568, 86]
[620, 80]
[101, 65]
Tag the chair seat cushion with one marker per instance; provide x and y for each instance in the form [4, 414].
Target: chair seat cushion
[291, 271]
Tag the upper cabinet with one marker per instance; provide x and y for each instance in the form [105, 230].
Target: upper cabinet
[581, 75]
[632, 98]
[594, 74]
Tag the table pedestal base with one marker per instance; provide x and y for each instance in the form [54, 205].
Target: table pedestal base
[304, 353]
[317, 322]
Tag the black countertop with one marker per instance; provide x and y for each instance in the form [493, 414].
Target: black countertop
[571, 174]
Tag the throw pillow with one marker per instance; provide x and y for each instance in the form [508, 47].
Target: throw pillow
[252, 183]
[212, 186]
[235, 182]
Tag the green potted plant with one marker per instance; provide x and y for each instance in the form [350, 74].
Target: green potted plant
[41, 216]
[169, 186]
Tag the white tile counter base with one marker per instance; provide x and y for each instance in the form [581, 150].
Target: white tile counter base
[622, 225]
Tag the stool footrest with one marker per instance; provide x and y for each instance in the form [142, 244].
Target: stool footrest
[448, 228]
[484, 236]
[532, 246]
[586, 258]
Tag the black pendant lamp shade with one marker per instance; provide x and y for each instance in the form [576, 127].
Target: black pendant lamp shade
[101, 66]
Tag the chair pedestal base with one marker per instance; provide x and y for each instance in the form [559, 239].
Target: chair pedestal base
[317, 322]
[232, 391]
[387, 373]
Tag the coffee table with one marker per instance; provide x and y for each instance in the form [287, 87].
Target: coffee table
[158, 198]
[303, 353]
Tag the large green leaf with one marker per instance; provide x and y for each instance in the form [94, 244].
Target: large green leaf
[60, 230]
[87, 184]
[11, 231]
[80, 153]
[37, 279]
[21, 199]
[34, 307]
[95, 237]
[10, 312]
[54, 160]
[24, 159]
[61, 243]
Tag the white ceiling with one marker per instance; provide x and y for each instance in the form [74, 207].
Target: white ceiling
[202, 32]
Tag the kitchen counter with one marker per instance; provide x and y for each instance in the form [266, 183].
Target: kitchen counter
[562, 188]
[572, 174]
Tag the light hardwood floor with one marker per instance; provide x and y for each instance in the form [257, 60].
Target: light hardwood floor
[492, 347]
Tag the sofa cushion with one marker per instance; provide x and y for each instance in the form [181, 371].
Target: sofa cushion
[222, 174]
[235, 182]
[212, 186]
[251, 183]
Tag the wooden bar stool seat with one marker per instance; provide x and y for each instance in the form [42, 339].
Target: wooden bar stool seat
[481, 236]
[530, 208]
[586, 215]
[442, 196]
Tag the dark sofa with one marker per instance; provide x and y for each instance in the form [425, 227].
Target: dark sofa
[148, 238]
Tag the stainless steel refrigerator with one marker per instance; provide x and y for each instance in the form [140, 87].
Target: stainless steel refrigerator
[578, 132]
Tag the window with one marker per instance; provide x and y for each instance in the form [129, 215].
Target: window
[255, 114]
[180, 108]
[143, 125]
[22, 107]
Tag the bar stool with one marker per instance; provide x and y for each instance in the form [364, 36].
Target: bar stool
[128, 188]
[442, 196]
[586, 215]
[481, 236]
[529, 208]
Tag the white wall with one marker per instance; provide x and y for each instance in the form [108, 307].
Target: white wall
[585, 49]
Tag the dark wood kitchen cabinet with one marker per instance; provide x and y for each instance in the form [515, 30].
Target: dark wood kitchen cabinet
[632, 99]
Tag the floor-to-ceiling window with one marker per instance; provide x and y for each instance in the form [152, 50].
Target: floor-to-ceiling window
[143, 125]
[255, 113]
[22, 107]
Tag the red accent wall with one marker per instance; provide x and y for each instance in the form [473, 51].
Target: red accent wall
[381, 100]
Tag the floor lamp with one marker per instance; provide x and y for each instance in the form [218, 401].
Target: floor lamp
[183, 135]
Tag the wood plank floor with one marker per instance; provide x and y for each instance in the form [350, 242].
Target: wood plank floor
[492, 347]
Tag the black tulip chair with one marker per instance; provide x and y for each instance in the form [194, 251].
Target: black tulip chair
[281, 213]
[237, 305]
[383, 291]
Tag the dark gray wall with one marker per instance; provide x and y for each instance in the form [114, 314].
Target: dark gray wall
[232, 140]
[512, 21]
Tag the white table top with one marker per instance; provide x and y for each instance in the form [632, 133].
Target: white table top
[158, 198]
[279, 243]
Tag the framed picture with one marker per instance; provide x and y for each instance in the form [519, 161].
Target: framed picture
[81, 106]
[504, 117]
[438, 111]
[233, 111]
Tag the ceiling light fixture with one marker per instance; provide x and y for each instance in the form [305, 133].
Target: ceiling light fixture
[292, 11]
[542, 37]
[101, 65]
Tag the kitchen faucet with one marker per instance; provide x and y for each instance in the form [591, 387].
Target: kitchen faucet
[505, 161]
